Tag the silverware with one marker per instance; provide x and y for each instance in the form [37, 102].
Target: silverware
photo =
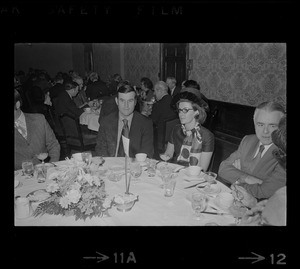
[54, 164]
[215, 213]
[195, 185]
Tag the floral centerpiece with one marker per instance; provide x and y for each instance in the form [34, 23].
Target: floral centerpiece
[76, 190]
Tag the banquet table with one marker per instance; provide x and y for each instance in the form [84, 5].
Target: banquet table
[90, 119]
[151, 209]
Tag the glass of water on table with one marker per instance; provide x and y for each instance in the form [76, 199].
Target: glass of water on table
[28, 168]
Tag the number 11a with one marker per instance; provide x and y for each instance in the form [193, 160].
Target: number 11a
[130, 258]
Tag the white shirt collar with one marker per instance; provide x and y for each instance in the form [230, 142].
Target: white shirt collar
[265, 149]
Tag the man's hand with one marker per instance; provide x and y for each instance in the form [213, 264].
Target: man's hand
[249, 180]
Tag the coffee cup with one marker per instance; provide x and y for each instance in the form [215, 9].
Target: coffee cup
[194, 170]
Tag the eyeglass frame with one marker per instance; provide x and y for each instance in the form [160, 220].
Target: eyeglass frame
[184, 110]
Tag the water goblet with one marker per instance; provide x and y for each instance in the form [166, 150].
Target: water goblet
[165, 172]
[165, 157]
[199, 204]
[27, 168]
[151, 169]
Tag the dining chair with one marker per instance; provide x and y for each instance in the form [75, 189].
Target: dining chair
[76, 138]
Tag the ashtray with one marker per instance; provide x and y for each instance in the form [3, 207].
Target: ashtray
[124, 202]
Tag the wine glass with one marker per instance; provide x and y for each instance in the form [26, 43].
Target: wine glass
[165, 157]
[199, 204]
[42, 157]
[165, 172]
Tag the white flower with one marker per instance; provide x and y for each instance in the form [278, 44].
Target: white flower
[106, 202]
[73, 196]
[64, 202]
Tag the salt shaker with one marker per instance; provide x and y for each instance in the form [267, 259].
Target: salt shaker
[22, 207]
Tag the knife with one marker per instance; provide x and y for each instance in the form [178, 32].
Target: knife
[215, 213]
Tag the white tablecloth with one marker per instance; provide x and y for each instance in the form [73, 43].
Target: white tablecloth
[152, 208]
[90, 119]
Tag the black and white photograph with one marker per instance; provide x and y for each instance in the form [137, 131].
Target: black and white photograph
[166, 131]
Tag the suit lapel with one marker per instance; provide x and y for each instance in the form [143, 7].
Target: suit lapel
[29, 128]
[113, 133]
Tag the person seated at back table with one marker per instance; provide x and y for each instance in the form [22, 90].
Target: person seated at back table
[190, 142]
[111, 125]
[161, 111]
[81, 99]
[65, 103]
[253, 164]
[33, 135]
[173, 89]
[97, 89]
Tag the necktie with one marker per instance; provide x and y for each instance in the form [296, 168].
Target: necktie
[257, 158]
[125, 132]
[21, 129]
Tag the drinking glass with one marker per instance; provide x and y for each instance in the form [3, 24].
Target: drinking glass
[135, 169]
[211, 177]
[199, 204]
[164, 157]
[151, 169]
[165, 172]
[87, 157]
[28, 169]
[169, 186]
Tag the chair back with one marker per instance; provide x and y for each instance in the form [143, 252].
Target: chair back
[75, 138]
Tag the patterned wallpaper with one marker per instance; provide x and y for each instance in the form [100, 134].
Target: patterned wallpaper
[243, 73]
[102, 58]
[141, 60]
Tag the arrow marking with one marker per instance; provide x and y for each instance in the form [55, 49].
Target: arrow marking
[102, 257]
[258, 258]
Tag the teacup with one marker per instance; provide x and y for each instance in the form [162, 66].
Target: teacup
[141, 157]
[77, 156]
[194, 170]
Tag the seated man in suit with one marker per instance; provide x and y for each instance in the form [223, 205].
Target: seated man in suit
[173, 89]
[161, 111]
[97, 89]
[33, 135]
[65, 103]
[111, 125]
[253, 164]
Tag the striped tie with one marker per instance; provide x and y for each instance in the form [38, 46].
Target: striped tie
[125, 132]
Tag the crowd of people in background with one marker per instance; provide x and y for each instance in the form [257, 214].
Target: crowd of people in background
[143, 111]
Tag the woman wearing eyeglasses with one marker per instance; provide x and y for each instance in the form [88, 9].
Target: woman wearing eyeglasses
[190, 143]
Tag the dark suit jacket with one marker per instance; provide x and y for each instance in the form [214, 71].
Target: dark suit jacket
[65, 104]
[56, 90]
[140, 135]
[161, 111]
[176, 91]
[268, 169]
[40, 138]
[96, 90]
[109, 105]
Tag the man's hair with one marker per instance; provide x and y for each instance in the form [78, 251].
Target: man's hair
[269, 106]
[279, 139]
[147, 83]
[161, 85]
[126, 89]
[172, 79]
[69, 85]
[191, 84]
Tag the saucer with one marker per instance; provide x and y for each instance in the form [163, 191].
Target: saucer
[216, 203]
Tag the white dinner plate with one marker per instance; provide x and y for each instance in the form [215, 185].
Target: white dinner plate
[17, 182]
[38, 196]
[212, 189]
[216, 203]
